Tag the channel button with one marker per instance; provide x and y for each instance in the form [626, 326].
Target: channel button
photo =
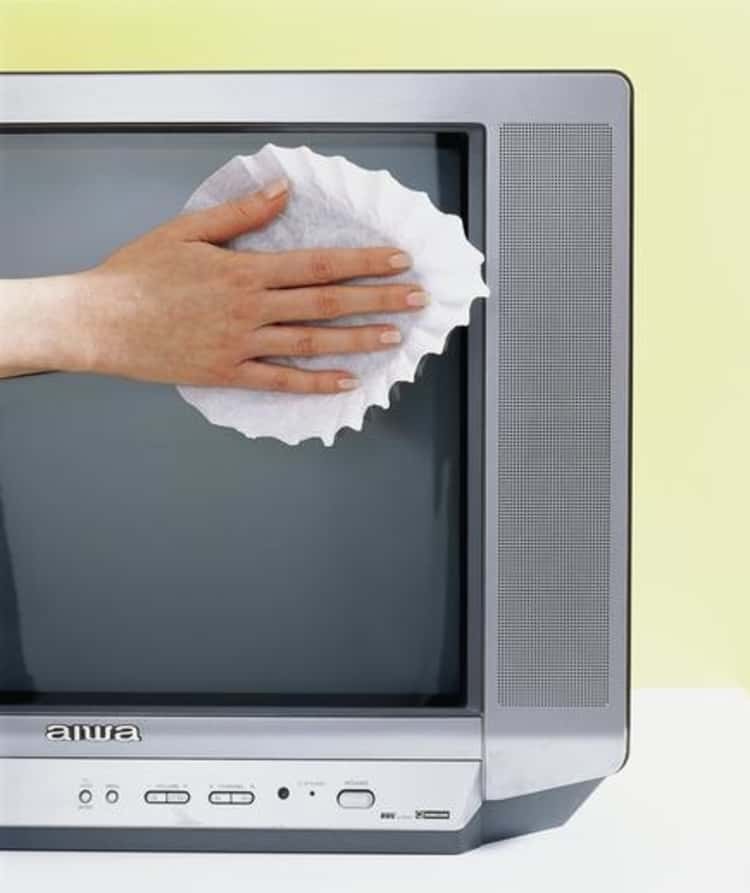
[231, 798]
[356, 798]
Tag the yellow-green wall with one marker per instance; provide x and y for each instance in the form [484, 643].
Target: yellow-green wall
[689, 62]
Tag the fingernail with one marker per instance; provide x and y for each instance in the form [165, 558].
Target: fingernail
[400, 261]
[275, 189]
[348, 384]
[417, 299]
[392, 336]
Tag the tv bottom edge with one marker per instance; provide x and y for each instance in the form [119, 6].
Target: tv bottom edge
[496, 820]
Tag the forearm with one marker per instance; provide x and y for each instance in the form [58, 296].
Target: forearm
[40, 324]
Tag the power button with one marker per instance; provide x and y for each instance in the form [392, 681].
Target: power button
[355, 798]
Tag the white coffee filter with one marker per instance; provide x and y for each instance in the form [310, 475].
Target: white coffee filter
[335, 203]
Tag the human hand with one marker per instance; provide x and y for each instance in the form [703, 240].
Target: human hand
[173, 306]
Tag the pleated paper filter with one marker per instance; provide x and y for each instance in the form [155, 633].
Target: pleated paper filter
[335, 203]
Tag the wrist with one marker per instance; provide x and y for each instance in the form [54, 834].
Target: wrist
[42, 325]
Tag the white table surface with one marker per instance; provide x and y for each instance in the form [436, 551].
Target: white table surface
[677, 818]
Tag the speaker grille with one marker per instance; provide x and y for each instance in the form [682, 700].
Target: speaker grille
[554, 414]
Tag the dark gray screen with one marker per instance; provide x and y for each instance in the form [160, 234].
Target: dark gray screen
[147, 556]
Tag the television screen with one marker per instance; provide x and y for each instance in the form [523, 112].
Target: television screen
[148, 557]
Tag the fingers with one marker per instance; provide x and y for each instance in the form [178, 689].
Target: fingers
[232, 218]
[333, 301]
[277, 341]
[306, 341]
[284, 269]
[264, 376]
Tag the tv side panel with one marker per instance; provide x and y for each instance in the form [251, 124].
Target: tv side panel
[558, 446]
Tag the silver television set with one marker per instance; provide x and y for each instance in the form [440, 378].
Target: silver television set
[413, 641]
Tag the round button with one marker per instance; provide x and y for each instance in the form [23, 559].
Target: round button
[112, 796]
[85, 796]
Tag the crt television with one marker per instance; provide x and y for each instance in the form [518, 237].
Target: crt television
[415, 640]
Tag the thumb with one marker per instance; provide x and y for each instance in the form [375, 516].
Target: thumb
[234, 217]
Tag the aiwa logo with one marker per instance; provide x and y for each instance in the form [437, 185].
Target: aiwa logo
[96, 733]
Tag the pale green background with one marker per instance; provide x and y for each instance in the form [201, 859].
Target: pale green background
[688, 62]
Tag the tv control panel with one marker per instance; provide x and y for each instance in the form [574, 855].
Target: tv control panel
[403, 795]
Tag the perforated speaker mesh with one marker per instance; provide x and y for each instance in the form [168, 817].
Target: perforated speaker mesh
[554, 414]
